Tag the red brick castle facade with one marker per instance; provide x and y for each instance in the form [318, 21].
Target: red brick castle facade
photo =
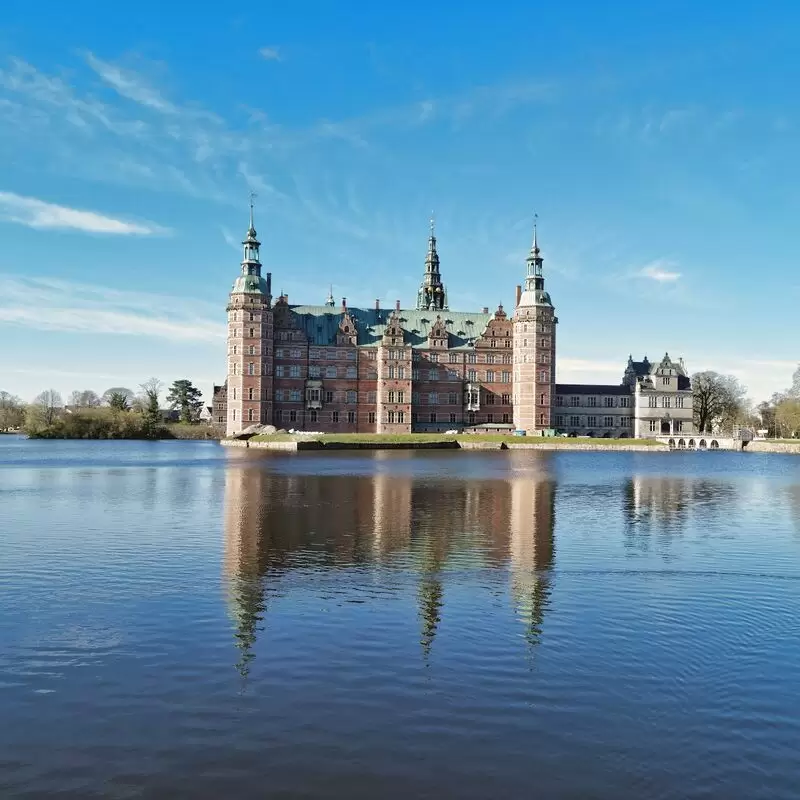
[356, 370]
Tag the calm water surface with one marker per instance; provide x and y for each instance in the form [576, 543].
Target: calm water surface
[177, 620]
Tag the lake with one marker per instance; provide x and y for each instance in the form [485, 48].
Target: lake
[181, 620]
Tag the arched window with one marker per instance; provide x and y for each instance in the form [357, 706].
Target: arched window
[251, 368]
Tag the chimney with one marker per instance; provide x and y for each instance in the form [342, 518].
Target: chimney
[519, 294]
[397, 305]
[485, 310]
[377, 304]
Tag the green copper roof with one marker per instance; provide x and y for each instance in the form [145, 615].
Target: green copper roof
[321, 324]
[251, 284]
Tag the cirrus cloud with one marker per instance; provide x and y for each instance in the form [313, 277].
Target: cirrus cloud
[36, 213]
[660, 271]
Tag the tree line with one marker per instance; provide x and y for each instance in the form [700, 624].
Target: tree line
[119, 413]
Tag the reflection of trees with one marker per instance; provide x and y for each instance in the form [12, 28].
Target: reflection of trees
[277, 524]
[794, 503]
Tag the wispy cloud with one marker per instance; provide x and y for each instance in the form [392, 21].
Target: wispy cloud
[660, 271]
[51, 304]
[129, 85]
[39, 214]
[270, 53]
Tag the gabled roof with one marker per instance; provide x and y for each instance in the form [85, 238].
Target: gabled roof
[321, 323]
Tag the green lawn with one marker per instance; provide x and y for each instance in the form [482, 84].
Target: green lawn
[419, 438]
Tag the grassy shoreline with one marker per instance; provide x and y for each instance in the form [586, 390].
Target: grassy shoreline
[454, 440]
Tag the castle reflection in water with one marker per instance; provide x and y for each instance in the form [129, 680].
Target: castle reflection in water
[276, 523]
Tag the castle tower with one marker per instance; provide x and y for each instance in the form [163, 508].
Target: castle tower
[534, 340]
[432, 294]
[250, 341]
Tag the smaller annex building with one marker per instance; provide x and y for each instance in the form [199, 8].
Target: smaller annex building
[653, 399]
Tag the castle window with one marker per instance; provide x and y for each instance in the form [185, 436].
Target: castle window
[432, 416]
[252, 350]
[401, 373]
[312, 416]
[249, 414]
[233, 414]
[371, 397]
[505, 377]
[371, 417]
[471, 358]
[574, 422]
[575, 401]
[250, 393]
[390, 417]
[609, 401]
[507, 342]
[678, 402]
[296, 354]
[665, 381]
[279, 371]
[292, 416]
[234, 392]
[559, 422]
[414, 374]
[591, 421]
[542, 419]
[666, 401]
[490, 358]
[235, 350]
[624, 402]
[591, 401]
[490, 417]
[391, 371]
[294, 371]
[507, 358]
[434, 357]
[652, 401]
[433, 374]
[489, 399]
[544, 376]
[541, 399]
[653, 425]
[314, 353]
[489, 376]
[453, 358]
[390, 397]
[334, 416]
[252, 316]
[252, 332]
[401, 397]
[351, 355]
[279, 395]
[433, 398]
[328, 397]
[401, 417]
[472, 375]
[452, 418]
[351, 372]
[351, 417]
[330, 372]
[294, 396]
[505, 399]
[452, 399]
[314, 371]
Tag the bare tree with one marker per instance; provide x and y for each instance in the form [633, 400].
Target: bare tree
[47, 405]
[718, 400]
[12, 412]
[84, 398]
[794, 391]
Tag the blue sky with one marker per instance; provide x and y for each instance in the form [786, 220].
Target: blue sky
[657, 141]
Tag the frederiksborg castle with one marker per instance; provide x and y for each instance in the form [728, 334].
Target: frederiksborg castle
[339, 369]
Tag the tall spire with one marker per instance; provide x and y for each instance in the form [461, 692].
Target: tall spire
[534, 278]
[431, 293]
[251, 265]
[330, 301]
